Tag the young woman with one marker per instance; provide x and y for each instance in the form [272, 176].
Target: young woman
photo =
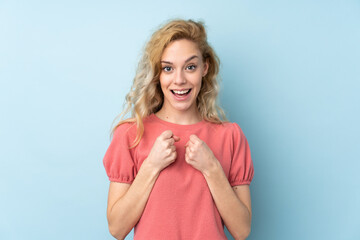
[177, 169]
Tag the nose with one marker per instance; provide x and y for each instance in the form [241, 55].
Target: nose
[179, 78]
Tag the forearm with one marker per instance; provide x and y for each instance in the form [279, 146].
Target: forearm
[235, 214]
[127, 210]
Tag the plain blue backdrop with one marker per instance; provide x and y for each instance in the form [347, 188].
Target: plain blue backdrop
[290, 73]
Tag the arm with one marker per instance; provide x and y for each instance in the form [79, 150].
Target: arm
[127, 202]
[233, 204]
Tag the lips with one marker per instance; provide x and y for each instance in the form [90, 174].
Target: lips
[181, 93]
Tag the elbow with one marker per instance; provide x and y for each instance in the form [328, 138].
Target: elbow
[119, 227]
[246, 232]
[243, 234]
[117, 232]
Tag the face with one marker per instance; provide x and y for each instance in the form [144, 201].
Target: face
[182, 69]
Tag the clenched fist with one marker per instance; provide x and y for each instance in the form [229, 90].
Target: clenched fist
[199, 155]
[163, 152]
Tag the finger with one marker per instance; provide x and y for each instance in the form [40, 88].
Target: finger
[187, 158]
[194, 139]
[189, 155]
[187, 150]
[173, 148]
[166, 143]
[166, 134]
[171, 141]
[191, 142]
[176, 138]
[190, 149]
[172, 156]
[168, 152]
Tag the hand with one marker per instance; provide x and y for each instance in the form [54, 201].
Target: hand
[199, 155]
[163, 152]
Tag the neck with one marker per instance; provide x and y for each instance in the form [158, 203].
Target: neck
[179, 117]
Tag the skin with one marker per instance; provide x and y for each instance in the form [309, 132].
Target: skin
[182, 68]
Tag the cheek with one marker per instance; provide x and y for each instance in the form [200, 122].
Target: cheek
[198, 84]
[164, 82]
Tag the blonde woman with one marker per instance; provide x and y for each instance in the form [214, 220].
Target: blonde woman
[177, 168]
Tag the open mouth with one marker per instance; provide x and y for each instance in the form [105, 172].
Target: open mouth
[181, 93]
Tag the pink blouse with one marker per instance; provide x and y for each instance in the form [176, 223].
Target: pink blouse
[180, 205]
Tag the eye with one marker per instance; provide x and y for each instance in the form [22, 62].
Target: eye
[167, 69]
[191, 67]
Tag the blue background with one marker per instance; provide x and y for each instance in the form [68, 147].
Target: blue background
[290, 73]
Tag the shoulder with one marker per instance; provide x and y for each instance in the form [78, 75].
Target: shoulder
[237, 129]
[227, 128]
[128, 128]
[125, 130]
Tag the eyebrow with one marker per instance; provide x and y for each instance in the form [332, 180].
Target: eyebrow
[187, 60]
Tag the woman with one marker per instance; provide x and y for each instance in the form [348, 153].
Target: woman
[177, 170]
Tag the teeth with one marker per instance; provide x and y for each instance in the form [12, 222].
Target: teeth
[181, 92]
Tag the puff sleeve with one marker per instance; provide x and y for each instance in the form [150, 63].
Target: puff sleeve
[119, 158]
[242, 168]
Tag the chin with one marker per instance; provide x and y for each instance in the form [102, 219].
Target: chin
[182, 107]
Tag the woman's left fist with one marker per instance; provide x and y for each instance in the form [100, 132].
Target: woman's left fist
[199, 155]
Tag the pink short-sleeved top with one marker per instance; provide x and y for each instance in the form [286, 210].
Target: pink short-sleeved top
[180, 205]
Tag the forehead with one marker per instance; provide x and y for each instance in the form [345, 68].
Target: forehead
[180, 50]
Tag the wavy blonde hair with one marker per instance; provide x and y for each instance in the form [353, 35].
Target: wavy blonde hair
[146, 96]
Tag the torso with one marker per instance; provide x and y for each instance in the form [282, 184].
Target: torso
[180, 205]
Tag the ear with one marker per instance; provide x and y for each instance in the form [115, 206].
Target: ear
[206, 67]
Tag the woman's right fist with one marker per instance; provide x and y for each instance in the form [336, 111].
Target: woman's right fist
[163, 152]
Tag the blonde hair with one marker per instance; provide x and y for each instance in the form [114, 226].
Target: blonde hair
[146, 96]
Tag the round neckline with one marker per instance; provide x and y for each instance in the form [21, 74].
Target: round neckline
[176, 125]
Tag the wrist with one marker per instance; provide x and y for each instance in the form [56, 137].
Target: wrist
[149, 168]
[214, 169]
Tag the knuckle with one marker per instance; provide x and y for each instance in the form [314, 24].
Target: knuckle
[168, 132]
[168, 152]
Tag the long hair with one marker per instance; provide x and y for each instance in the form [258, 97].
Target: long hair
[146, 97]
